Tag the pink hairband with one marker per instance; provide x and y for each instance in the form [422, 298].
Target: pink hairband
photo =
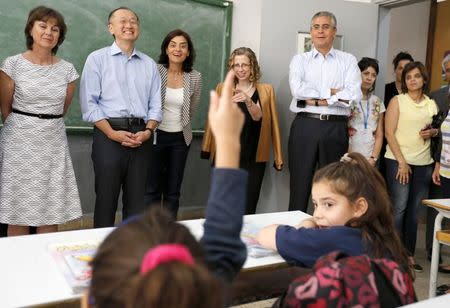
[165, 253]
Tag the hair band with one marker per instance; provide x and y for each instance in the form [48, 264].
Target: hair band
[165, 253]
[346, 158]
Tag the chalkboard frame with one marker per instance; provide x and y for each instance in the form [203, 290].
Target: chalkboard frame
[83, 128]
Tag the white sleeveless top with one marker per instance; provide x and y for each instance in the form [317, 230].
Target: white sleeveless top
[171, 120]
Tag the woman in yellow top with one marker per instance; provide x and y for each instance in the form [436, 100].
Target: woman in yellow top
[409, 164]
[260, 131]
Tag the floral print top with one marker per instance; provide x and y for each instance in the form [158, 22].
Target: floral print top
[363, 123]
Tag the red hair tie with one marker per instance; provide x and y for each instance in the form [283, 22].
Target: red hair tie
[165, 253]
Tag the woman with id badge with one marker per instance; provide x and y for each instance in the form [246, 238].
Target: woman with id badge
[366, 116]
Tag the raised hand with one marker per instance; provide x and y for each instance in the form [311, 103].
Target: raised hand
[226, 121]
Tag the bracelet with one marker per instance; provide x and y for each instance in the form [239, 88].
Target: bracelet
[374, 158]
[150, 129]
[317, 103]
[249, 105]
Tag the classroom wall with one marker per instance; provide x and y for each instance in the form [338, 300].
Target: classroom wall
[246, 24]
[408, 31]
[269, 27]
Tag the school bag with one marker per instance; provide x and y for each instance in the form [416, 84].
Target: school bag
[339, 280]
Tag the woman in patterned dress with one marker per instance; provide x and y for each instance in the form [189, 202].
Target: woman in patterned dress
[366, 117]
[37, 181]
[180, 95]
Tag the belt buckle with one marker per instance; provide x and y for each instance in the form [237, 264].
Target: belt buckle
[132, 122]
[324, 117]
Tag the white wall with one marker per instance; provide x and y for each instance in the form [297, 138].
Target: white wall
[408, 32]
[246, 25]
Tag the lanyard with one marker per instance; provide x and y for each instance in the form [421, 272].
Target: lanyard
[365, 114]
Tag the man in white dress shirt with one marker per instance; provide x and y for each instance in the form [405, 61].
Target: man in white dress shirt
[323, 81]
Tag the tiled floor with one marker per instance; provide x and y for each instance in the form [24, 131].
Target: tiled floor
[420, 284]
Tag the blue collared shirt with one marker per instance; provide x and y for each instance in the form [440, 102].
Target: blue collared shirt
[115, 85]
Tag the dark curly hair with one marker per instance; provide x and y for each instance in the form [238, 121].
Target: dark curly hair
[402, 55]
[367, 62]
[164, 58]
[423, 71]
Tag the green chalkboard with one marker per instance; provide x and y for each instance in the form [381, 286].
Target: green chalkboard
[207, 21]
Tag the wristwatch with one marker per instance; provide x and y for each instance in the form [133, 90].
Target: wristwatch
[150, 129]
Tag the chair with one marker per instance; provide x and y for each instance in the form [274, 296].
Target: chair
[440, 237]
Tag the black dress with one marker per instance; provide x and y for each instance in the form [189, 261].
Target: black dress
[249, 146]
[390, 90]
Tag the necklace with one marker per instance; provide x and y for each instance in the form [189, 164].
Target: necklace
[176, 75]
[246, 90]
[416, 100]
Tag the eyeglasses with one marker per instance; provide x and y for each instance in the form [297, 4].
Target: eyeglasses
[324, 27]
[244, 66]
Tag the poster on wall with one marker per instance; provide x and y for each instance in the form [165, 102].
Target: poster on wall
[305, 44]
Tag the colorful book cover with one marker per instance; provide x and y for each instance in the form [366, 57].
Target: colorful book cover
[74, 261]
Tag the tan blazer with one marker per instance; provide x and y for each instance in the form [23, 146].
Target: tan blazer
[270, 131]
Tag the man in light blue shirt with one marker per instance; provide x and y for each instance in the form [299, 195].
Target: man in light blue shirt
[120, 94]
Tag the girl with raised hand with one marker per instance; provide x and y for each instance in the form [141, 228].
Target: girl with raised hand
[163, 265]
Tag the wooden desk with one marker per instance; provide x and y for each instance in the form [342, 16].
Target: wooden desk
[443, 208]
[30, 275]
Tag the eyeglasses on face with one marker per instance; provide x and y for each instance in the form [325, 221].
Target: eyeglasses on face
[324, 27]
[241, 65]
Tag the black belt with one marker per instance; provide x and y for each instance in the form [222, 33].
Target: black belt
[125, 123]
[38, 115]
[323, 117]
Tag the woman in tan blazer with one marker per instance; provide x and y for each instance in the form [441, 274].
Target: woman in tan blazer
[260, 131]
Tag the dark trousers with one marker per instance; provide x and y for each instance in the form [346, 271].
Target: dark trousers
[312, 142]
[255, 178]
[407, 198]
[3, 230]
[166, 171]
[116, 167]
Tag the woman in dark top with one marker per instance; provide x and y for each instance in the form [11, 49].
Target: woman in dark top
[394, 88]
[260, 131]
